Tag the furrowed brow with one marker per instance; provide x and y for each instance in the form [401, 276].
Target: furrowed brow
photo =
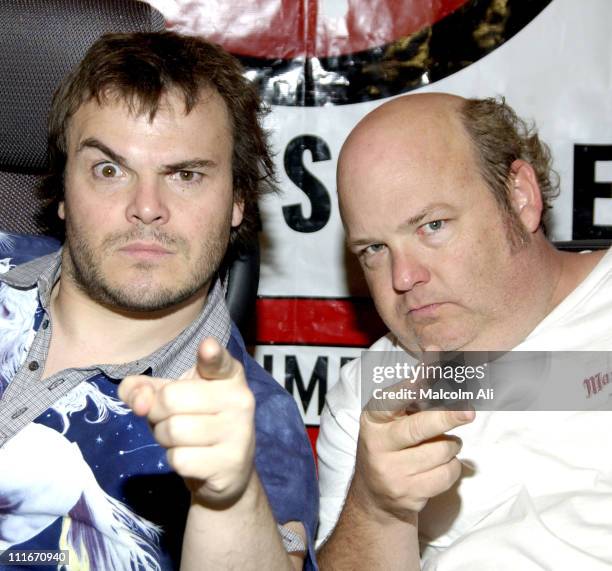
[189, 164]
[93, 143]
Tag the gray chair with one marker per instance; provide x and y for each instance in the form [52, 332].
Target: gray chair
[40, 41]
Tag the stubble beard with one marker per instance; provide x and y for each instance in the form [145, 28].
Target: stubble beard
[83, 265]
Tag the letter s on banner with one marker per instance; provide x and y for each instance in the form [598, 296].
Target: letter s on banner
[312, 187]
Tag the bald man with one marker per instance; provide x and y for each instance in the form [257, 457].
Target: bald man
[442, 200]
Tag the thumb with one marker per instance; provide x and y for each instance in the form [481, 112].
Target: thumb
[139, 391]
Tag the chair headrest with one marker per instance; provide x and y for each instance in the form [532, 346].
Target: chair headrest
[40, 42]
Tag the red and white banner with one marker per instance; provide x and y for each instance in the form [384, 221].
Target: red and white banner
[323, 65]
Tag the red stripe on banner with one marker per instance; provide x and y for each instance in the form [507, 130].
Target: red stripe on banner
[335, 322]
[313, 434]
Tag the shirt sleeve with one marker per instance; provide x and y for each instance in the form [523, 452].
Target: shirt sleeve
[283, 456]
[337, 446]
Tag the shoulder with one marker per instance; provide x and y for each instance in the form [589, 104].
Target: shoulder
[283, 456]
[276, 414]
[261, 383]
[17, 249]
[581, 320]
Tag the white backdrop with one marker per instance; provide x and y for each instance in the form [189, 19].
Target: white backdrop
[557, 71]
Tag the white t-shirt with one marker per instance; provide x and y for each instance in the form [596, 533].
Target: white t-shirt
[536, 489]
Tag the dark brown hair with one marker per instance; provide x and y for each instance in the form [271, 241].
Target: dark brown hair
[500, 137]
[141, 68]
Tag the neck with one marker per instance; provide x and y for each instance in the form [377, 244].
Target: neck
[574, 270]
[537, 291]
[548, 277]
[98, 333]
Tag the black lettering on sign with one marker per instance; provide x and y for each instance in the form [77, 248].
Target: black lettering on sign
[312, 187]
[293, 376]
[586, 190]
[268, 363]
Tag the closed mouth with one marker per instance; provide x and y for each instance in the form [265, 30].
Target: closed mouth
[425, 309]
[146, 249]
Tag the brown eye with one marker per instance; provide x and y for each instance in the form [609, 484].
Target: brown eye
[189, 178]
[107, 170]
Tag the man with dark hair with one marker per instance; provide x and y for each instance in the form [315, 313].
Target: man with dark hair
[157, 159]
[442, 201]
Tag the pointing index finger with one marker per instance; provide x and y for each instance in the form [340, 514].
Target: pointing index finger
[422, 426]
[215, 362]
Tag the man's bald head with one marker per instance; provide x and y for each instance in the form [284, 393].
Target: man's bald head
[408, 117]
[442, 204]
[429, 126]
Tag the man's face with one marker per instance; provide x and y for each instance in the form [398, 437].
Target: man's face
[430, 236]
[148, 204]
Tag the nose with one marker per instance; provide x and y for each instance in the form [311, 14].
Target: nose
[147, 204]
[407, 271]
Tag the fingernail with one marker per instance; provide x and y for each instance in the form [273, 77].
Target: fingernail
[465, 414]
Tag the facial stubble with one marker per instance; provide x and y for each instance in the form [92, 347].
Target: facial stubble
[83, 264]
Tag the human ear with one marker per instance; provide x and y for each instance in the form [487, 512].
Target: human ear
[237, 213]
[61, 212]
[525, 194]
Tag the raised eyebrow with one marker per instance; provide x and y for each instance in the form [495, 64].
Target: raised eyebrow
[418, 218]
[93, 143]
[189, 164]
[406, 224]
[359, 243]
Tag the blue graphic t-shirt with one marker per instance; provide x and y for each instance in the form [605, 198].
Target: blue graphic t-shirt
[87, 477]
